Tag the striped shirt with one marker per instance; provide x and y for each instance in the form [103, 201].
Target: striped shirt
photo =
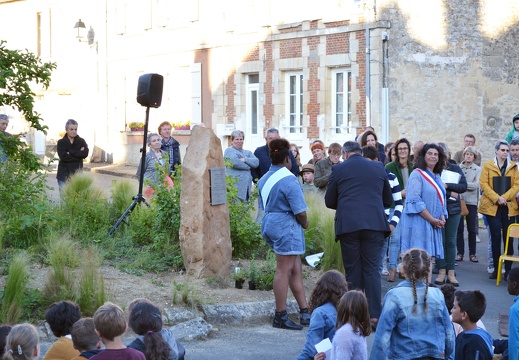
[397, 198]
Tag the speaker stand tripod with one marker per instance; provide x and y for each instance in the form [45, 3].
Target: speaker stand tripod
[137, 199]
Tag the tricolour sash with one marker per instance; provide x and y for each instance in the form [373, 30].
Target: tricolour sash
[272, 180]
[431, 181]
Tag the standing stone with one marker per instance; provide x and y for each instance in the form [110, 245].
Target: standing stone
[205, 238]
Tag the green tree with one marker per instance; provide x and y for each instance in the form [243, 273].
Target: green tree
[22, 184]
[18, 71]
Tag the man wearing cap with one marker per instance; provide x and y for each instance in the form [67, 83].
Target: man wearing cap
[4, 121]
[307, 174]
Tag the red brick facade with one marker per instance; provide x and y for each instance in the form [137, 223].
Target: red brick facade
[292, 48]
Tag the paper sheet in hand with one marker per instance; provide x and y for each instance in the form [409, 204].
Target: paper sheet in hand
[450, 177]
[324, 346]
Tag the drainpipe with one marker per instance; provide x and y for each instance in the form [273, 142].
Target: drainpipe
[368, 70]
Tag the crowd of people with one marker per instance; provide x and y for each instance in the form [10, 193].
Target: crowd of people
[410, 206]
[97, 338]
[399, 211]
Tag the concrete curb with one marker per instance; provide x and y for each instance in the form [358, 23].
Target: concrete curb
[236, 314]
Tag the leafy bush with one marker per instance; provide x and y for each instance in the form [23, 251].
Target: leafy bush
[246, 237]
[267, 272]
[150, 241]
[166, 209]
[15, 288]
[24, 207]
[22, 178]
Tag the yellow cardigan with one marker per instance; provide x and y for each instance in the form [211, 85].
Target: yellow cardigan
[488, 202]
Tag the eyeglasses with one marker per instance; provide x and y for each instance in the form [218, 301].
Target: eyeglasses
[504, 150]
[336, 155]
[403, 149]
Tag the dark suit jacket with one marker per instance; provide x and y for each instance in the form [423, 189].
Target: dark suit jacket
[263, 154]
[359, 190]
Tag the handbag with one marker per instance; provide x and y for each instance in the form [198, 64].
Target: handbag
[464, 208]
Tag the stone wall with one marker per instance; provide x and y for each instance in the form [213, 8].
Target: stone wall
[449, 74]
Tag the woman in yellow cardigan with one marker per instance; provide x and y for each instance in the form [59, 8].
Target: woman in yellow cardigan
[500, 207]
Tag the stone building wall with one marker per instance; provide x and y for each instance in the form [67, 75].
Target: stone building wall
[465, 80]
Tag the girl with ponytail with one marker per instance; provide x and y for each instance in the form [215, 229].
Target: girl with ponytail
[22, 343]
[155, 342]
[415, 322]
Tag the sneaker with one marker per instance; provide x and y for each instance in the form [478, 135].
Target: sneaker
[478, 240]
[385, 272]
[503, 270]
[490, 269]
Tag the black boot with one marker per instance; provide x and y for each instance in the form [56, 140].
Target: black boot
[282, 321]
[304, 317]
[493, 276]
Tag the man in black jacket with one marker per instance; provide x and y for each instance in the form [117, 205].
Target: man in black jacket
[72, 149]
[263, 154]
[359, 191]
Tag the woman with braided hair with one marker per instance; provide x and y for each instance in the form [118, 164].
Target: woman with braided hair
[415, 322]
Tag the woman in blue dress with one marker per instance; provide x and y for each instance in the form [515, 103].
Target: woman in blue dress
[425, 210]
[281, 197]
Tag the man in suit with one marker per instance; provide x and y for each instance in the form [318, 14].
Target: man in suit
[263, 154]
[359, 191]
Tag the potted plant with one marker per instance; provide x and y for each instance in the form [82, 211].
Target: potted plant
[253, 274]
[136, 126]
[239, 277]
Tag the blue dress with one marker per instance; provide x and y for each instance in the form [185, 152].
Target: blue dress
[279, 227]
[415, 231]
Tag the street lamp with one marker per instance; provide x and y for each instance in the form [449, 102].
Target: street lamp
[90, 35]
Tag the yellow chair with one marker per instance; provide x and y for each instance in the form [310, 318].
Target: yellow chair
[512, 232]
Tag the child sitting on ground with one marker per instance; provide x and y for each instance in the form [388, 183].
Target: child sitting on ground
[473, 342]
[85, 339]
[154, 341]
[353, 326]
[414, 322]
[61, 316]
[323, 307]
[448, 291]
[110, 324]
[4, 331]
[22, 343]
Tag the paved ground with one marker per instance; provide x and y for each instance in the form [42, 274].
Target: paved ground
[264, 342]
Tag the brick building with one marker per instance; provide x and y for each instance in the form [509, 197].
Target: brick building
[431, 71]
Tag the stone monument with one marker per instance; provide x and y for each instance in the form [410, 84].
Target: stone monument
[205, 238]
